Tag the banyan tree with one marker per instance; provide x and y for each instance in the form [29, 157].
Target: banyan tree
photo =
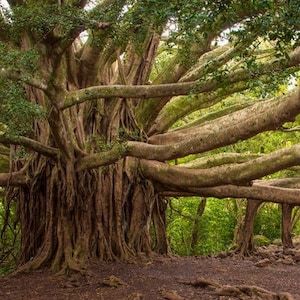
[108, 107]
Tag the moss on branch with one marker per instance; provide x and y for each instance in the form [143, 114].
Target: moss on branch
[228, 174]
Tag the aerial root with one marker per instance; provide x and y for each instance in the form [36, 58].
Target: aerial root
[71, 267]
[21, 270]
[33, 264]
[241, 291]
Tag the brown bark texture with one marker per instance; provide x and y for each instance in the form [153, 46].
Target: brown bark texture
[286, 235]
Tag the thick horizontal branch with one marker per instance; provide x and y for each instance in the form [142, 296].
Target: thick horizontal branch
[180, 107]
[129, 91]
[172, 89]
[229, 174]
[119, 151]
[240, 125]
[101, 159]
[30, 144]
[152, 152]
[257, 192]
[13, 179]
[284, 158]
[213, 60]
[293, 182]
[219, 159]
[214, 115]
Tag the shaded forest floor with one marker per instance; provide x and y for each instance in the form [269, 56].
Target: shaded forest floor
[270, 274]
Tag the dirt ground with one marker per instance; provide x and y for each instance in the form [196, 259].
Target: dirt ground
[263, 276]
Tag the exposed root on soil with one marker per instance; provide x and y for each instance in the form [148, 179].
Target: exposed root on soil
[243, 292]
[68, 268]
[170, 295]
[113, 281]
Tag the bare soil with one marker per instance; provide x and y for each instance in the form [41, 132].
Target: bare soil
[267, 275]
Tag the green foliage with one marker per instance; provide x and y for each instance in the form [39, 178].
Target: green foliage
[16, 60]
[148, 14]
[216, 226]
[261, 240]
[100, 144]
[137, 20]
[161, 62]
[42, 19]
[268, 221]
[16, 113]
[195, 20]
[4, 163]
[9, 239]
[296, 231]
[278, 23]
[268, 141]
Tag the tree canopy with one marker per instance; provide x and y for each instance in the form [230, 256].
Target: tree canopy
[105, 111]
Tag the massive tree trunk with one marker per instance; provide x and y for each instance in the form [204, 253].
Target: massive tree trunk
[69, 216]
[106, 214]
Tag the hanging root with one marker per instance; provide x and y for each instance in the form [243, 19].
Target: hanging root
[107, 216]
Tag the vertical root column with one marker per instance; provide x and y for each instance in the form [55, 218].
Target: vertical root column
[104, 216]
[139, 238]
[160, 225]
[119, 198]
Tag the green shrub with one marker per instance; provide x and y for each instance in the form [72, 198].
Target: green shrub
[260, 240]
[268, 221]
